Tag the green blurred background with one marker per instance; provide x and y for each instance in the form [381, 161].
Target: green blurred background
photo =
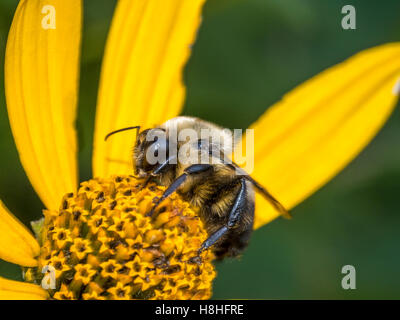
[248, 54]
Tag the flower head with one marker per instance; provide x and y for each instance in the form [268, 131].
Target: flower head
[115, 251]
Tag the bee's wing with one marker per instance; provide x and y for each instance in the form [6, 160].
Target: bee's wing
[279, 206]
[268, 196]
[219, 150]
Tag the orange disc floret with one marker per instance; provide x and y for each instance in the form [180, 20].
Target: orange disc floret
[101, 245]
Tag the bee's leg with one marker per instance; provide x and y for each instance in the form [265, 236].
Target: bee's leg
[146, 182]
[174, 185]
[193, 169]
[163, 165]
[213, 238]
[157, 171]
[268, 196]
[234, 216]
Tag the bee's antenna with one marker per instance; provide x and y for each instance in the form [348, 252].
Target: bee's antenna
[119, 130]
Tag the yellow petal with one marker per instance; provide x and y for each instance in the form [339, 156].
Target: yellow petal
[17, 245]
[141, 81]
[304, 140]
[41, 80]
[16, 290]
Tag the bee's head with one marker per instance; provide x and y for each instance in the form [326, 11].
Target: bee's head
[150, 148]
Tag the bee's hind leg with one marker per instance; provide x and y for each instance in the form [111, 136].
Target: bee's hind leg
[234, 216]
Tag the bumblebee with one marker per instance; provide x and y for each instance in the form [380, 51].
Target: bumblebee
[224, 197]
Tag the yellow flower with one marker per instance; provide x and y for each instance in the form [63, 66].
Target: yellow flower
[123, 254]
[301, 143]
[64, 293]
[61, 236]
[81, 248]
[84, 273]
[120, 292]
[109, 268]
[59, 263]
[93, 295]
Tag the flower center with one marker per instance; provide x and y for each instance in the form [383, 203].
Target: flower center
[101, 245]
